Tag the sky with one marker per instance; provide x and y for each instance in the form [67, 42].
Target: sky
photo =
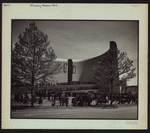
[80, 40]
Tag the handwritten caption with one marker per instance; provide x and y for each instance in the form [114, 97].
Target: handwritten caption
[6, 4]
[43, 5]
[135, 5]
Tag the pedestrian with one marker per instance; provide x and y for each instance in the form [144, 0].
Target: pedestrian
[60, 99]
[26, 99]
[21, 99]
[18, 98]
[15, 97]
[63, 98]
[53, 100]
[66, 100]
[73, 101]
[48, 95]
[70, 100]
[40, 101]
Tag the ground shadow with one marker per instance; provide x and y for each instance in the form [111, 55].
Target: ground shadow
[14, 108]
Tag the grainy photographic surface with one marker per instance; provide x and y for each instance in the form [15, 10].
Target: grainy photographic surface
[74, 69]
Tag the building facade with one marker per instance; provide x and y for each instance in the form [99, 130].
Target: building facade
[82, 71]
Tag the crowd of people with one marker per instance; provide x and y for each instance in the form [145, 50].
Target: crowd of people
[78, 99]
[23, 98]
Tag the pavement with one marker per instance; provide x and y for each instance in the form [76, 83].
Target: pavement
[46, 111]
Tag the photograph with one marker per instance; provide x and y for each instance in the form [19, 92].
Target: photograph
[74, 69]
[74, 66]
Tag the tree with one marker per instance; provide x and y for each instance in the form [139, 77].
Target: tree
[123, 87]
[32, 58]
[113, 66]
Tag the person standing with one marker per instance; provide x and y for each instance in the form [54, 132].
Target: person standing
[48, 95]
[53, 100]
[26, 99]
[15, 97]
[40, 101]
[18, 98]
[66, 99]
[60, 99]
[21, 99]
[70, 100]
[63, 98]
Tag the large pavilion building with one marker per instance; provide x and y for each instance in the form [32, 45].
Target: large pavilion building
[82, 71]
[79, 72]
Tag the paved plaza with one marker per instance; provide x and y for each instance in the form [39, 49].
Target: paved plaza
[46, 111]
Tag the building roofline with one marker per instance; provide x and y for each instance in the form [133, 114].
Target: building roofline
[112, 46]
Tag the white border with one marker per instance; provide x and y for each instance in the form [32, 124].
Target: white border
[75, 11]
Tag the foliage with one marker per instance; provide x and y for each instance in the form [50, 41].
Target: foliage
[113, 65]
[32, 58]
